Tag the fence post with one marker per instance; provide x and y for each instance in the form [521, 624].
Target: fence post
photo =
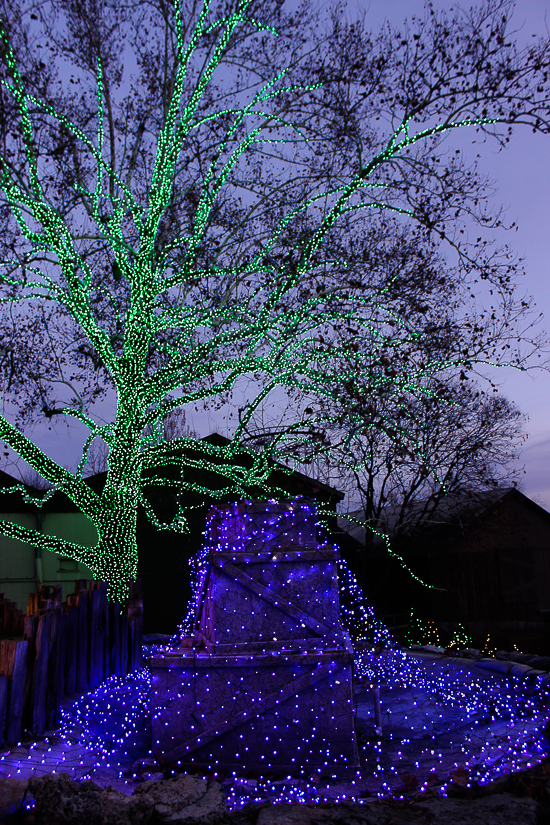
[30, 629]
[124, 644]
[3, 706]
[40, 676]
[56, 667]
[103, 663]
[17, 663]
[67, 649]
[82, 642]
[114, 638]
[95, 653]
[69, 679]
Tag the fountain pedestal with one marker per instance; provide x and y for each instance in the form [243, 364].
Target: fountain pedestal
[266, 680]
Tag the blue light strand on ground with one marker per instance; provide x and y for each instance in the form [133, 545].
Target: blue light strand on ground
[483, 702]
[111, 720]
[434, 722]
[440, 723]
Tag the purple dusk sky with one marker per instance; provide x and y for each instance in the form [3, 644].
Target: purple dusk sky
[522, 178]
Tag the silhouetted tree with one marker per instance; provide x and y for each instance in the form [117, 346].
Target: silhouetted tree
[175, 234]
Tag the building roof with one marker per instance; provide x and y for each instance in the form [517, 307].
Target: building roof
[59, 502]
[455, 515]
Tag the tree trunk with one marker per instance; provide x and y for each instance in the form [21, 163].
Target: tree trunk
[115, 559]
[115, 555]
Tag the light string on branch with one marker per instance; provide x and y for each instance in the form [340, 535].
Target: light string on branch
[162, 337]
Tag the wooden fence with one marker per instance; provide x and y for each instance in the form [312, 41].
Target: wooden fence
[60, 649]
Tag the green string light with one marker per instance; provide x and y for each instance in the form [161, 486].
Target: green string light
[203, 347]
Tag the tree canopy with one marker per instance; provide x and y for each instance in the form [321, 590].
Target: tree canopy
[219, 218]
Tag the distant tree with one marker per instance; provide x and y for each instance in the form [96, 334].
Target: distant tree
[196, 229]
[34, 480]
[400, 482]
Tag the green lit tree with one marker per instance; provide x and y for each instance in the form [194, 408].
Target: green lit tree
[173, 238]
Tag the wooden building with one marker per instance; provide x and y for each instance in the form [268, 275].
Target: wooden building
[489, 567]
[24, 568]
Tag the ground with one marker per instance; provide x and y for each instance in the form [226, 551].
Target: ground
[449, 728]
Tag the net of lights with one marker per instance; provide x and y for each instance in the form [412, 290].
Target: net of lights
[477, 705]
[436, 720]
[199, 343]
[110, 723]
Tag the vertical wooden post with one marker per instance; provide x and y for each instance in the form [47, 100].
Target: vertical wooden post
[138, 620]
[131, 638]
[52, 692]
[95, 652]
[39, 682]
[82, 642]
[103, 663]
[58, 594]
[16, 686]
[69, 685]
[32, 604]
[114, 638]
[56, 666]
[3, 707]
[30, 629]
[123, 644]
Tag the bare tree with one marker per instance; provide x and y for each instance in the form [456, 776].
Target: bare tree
[198, 225]
[398, 455]
[470, 445]
[34, 480]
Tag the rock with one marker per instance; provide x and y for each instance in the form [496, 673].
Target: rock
[61, 801]
[12, 793]
[433, 649]
[155, 775]
[186, 799]
[147, 768]
[540, 663]
[535, 674]
[495, 664]
[500, 809]
[520, 670]
[370, 814]
[521, 658]
[469, 653]
[147, 764]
